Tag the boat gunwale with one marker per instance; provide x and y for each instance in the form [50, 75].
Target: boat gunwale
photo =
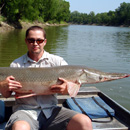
[88, 92]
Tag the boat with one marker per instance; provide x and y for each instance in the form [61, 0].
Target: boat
[120, 121]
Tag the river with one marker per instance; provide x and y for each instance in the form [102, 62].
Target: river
[100, 47]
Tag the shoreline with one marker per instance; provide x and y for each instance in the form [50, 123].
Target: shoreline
[4, 27]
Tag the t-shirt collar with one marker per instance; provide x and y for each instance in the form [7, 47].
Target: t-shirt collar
[28, 59]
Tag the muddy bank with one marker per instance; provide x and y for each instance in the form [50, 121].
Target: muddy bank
[4, 27]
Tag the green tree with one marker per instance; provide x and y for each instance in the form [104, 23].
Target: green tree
[74, 17]
[118, 17]
[50, 9]
[123, 14]
[84, 18]
[19, 9]
[63, 13]
[92, 17]
[98, 19]
[112, 17]
[27, 10]
[39, 5]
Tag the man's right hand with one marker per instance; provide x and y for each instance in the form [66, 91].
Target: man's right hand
[9, 85]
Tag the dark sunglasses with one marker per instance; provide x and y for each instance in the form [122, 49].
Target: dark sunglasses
[38, 41]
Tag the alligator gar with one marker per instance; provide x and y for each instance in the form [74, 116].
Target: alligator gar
[38, 81]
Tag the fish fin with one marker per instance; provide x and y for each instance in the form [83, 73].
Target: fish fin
[20, 95]
[73, 88]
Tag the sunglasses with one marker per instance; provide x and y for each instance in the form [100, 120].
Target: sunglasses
[38, 41]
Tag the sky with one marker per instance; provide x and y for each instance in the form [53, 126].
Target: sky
[98, 6]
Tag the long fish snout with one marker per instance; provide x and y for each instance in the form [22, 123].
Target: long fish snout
[127, 75]
[116, 76]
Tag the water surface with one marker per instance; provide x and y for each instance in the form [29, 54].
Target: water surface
[103, 48]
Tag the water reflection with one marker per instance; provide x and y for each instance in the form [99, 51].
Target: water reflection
[122, 45]
[10, 46]
[56, 40]
[102, 48]
[123, 41]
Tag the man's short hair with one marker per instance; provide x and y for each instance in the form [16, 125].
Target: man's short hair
[36, 28]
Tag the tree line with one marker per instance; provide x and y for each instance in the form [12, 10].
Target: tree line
[35, 10]
[57, 11]
[121, 16]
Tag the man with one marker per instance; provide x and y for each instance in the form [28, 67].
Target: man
[41, 112]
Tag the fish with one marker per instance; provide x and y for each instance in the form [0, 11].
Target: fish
[38, 81]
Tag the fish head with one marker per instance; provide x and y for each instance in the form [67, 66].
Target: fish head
[94, 76]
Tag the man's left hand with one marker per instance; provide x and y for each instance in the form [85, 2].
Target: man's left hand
[62, 88]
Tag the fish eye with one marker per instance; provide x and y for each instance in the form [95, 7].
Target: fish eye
[100, 77]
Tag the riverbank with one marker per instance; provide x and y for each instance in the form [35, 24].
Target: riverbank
[4, 27]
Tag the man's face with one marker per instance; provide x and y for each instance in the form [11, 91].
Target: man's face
[35, 42]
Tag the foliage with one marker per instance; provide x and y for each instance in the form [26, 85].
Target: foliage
[2, 18]
[121, 16]
[35, 10]
[57, 11]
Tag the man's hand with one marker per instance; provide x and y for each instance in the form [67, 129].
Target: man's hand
[62, 88]
[67, 87]
[9, 85]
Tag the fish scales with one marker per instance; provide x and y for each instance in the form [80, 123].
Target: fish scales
[38, 74]
[37, 81]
